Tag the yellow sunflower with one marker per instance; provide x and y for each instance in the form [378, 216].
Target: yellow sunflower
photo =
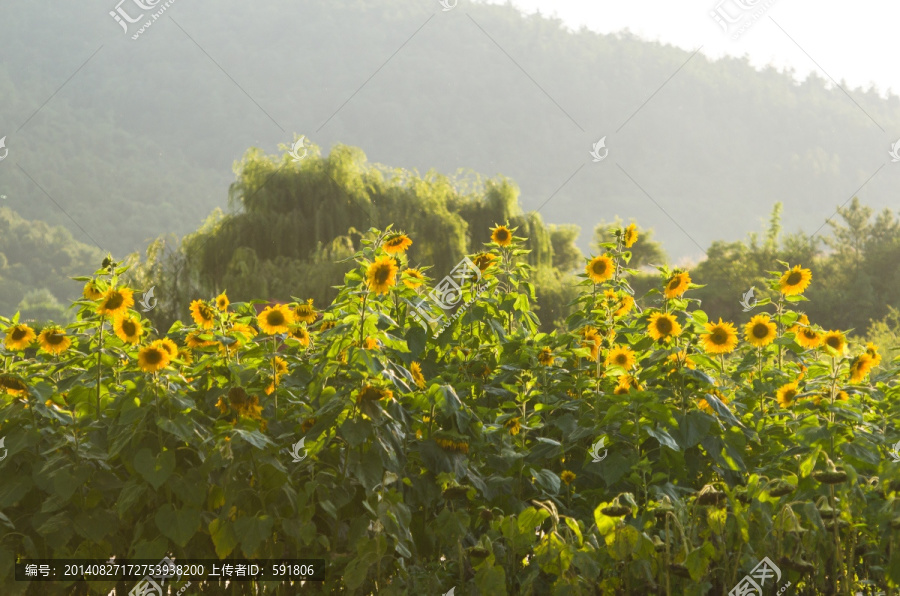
[370, 393]
[630, 236]
[545, 356]
[592, 340]
[484, 260]
[396, 243]
[501, 235]
[280, 365]
[53, 340]
[872, 350]
[275, 319]
[185, 356]
[19, 337]
[203, 314]
[222, 302]
[787, 394]
[413, 278]
[802, 321]
[795, 281]
[381, 275]
[860, 367]
[514, 426]
[305, 313]
[245, 331]
[170, 347]
[92, 290]
[760, 331]
[371, 343]
[620, 356]
[600, 269]
[663, 326]
[415, 369]
[834, 342]
[300, 333]
[626, 303]
[677, 284]
[12, 385]
[153, 358]
[809, 338]
[128, 329]
[568, 477]
[116, 302]
[680, 359]
[720, 338]
[625, 383]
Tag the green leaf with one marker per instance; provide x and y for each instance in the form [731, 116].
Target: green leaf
[129, 495]
[664, 438]
[179, 525]
[224, 539]
[547, 480]
[698, 560]
[154, 470]
[809, 464]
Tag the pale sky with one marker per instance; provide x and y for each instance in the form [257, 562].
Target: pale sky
[857, 42]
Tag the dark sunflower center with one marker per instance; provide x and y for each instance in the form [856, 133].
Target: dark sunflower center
[153, 356]
[129, 328]
[600, 267]
[18, 333]
[674, 283]
[760, 330]
[834, 342]
[621, 359]
[664, 326]
[794, 278]
[304, 311]
[502, 235]
[205, 312]
[114, 301]
[54, 338]
[790, 394]
[382, 274]
[809, 334]
[275, 318]
[719, 337]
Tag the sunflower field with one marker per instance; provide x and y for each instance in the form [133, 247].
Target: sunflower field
[646, 449]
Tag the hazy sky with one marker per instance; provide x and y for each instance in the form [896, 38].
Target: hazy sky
[855, 41]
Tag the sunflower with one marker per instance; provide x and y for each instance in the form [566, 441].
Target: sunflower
[630, 236]
[53, 340]
[872, 350]
[92, 290]
[483, 260]
[245, 331]
[305, 313]
[545, 356]
[760, 331]
[396, 243]
[802, 321]
[620, 356]
[370, 393]
[222, 302]
[795, 281]
[115, 302]
[860, 367]
[166, 344]
[280, 365]
[192, 340]
[501, 235]
[185, 356]
[626, 304]
[720, 338]
[371, 343]
[381, 275]
[677, 284]
[787, 394]
[592, 340]
[834, 342]
[301, 334]
[627, 382]
[413, 278]
[128, 329]
[809, 338]
[513, 425]
[19, 337]
[663, 326]
[203, 314]
[600, 269]
[415, 369]
[567, 476]
[275, 319]
[153, 358]
[12, 385]
[679, 359]
[245, 405]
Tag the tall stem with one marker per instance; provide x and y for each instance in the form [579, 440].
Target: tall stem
[99, 356]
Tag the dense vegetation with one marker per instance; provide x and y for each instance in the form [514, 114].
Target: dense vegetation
[458, 459]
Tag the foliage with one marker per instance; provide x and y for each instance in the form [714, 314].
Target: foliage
[457, 458]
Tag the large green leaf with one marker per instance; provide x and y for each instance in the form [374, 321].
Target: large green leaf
[154, 470]
[179, 525]
[253, 531]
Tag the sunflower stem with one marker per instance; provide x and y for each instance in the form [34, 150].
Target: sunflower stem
[99, 356]
[274, 377]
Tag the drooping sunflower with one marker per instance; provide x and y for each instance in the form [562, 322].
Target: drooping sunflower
[630, 236]
[371, 393]
[860, 367]
[396, 243]
[203, 314]
[13, 386]
[301, 334]
[592, 341]
[621, 356]
[513, 425]
[275, 319]
[677, 284]
[626, 303]
[663, 326]
[305, 313]
[795, 281]
[280, 365]
[872, 350]
[834, 342]
[415, 369]
[720, 338]
[787, 394]
[545, 356]
[53, 340]
[808, 338]
[153, 358]
[501, 235]
[222, 302]
[381, 275]
[92, 290]
[115, 302]
[567, 476]
[625, 383]
[19, 337]
[166, 344]
[413, 278]
[600, 269]
[484, 260]
[760, 331]
[128, 329]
